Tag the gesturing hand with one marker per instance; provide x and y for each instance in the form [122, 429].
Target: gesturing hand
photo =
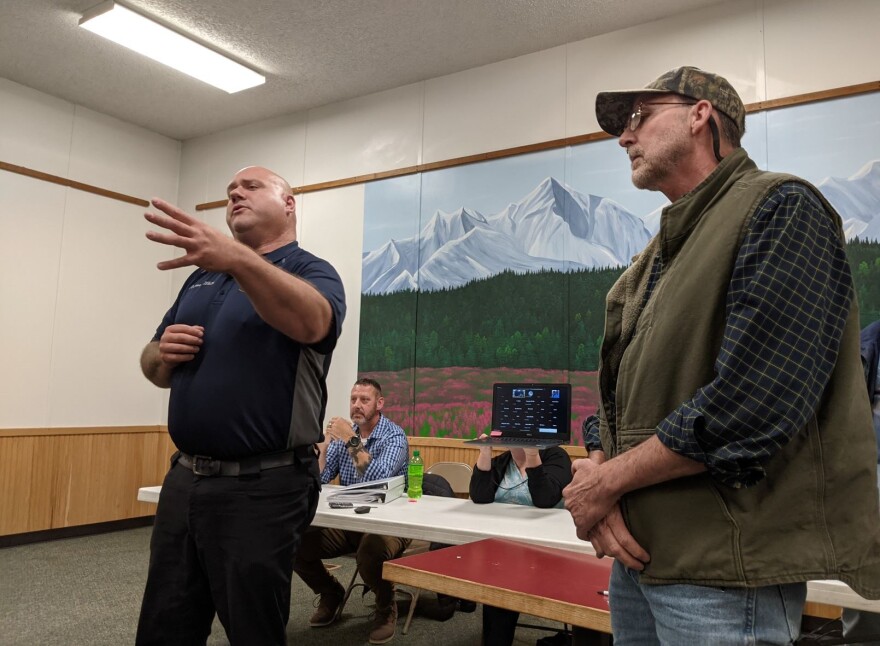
[180, 343]
[204, 246]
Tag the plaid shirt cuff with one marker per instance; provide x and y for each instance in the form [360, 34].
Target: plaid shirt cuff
[680, 432]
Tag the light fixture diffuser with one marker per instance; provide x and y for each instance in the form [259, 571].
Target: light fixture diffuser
[129, 29]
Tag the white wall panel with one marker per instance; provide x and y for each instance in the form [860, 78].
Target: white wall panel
[725, 39]
[515, 102]
[110, 299]
[121, 157]
[376, 132]
[332, 228]
[814, 45]
[35, 129]
[278, 144]
[196, 157]
[29, 250]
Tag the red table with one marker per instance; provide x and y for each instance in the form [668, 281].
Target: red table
[541, 581]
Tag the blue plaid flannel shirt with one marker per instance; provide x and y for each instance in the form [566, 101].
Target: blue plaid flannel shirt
[387, 446]
[788, 300]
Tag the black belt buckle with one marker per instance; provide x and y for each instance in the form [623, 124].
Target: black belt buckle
[204, 466]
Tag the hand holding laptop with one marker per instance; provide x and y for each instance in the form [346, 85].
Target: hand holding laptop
[530, 459]
[528, 415]
[484, 459]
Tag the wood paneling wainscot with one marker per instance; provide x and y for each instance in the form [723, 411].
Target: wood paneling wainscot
[53, 478]
[64, 477]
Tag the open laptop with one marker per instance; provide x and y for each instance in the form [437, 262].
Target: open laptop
[529, 415]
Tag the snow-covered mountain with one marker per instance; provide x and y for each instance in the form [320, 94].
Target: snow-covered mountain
[553, 227]
[857, 199]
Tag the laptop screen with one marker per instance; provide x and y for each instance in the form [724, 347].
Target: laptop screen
[532, 410]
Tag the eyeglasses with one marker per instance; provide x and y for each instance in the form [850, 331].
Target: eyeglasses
[636, 117]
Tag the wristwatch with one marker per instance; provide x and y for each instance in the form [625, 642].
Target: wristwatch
[354, 442]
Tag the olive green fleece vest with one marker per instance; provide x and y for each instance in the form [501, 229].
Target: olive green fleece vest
[815, 514]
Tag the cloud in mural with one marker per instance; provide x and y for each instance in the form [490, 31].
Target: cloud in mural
[553, 227]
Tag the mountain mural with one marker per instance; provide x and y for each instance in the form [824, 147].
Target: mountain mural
[857, 199]
[551, 228]
[557, 228]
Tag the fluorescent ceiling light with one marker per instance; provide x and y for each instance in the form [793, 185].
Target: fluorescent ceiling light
[132, 30]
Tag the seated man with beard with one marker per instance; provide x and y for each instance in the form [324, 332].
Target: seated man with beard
[370, 447]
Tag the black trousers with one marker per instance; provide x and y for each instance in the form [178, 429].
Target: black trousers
[499, 626]
[226, 545]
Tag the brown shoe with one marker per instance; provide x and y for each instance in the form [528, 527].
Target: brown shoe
[384, 624]
[328, 607]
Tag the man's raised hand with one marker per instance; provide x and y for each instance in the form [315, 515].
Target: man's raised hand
[203, 245]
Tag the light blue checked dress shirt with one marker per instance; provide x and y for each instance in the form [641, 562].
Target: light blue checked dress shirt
[386, 445]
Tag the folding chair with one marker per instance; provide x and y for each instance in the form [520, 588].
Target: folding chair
[457, 474]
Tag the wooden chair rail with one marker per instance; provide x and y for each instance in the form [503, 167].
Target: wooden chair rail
[760, 106]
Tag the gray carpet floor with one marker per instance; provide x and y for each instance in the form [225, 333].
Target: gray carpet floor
[87, 591]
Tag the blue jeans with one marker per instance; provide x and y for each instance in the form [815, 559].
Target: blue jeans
[695, 615]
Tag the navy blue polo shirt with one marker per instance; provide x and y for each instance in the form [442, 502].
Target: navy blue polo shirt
[250, 389]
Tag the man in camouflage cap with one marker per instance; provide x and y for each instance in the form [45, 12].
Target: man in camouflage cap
[613, 109]
[730, 461]
[617, 111]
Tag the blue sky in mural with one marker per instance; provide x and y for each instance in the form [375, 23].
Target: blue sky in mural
[390, 210]
[841, 137]
[489, 186]
[825, 139]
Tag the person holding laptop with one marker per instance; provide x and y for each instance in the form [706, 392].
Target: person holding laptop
[520, 476]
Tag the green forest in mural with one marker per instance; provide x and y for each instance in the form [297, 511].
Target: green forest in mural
[523, 320]
[864, 258]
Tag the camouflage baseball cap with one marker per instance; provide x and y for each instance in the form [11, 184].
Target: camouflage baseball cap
[613, 109]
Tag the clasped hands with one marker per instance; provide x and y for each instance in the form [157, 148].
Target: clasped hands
[597, 516]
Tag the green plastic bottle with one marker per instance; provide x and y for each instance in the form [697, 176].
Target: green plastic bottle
[414, 475]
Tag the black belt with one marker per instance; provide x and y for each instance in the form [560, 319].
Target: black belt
[201, 465]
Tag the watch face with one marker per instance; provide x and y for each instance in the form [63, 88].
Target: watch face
[354, 441]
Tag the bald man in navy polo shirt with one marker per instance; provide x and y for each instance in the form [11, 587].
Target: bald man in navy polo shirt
[245, 350]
